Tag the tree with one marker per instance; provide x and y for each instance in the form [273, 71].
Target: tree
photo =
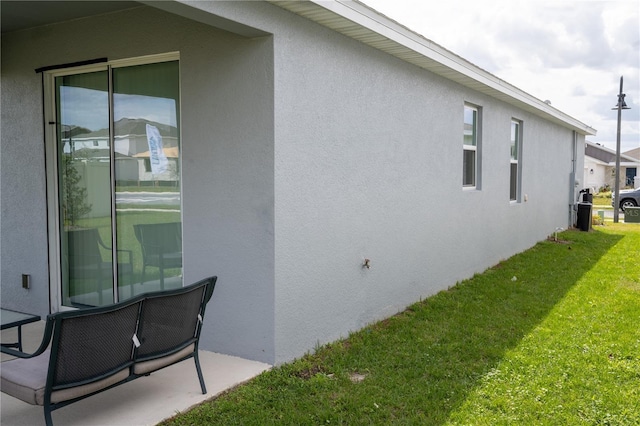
[74, 195]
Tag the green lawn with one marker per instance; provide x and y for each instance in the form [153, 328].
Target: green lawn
[128, 241]
[548, 337]
[602, 199]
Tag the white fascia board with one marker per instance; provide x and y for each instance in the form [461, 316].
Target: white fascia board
[431, 56]
[369, 18]
[589, 159]
[626, 163]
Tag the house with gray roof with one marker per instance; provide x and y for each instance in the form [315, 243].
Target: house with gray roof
[600, 168]
[331, 166]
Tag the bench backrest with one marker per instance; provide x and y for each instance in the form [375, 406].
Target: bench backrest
[169, 322]
[91, 344]
[159, 238]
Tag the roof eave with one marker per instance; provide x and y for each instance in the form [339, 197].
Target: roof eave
[360, 22]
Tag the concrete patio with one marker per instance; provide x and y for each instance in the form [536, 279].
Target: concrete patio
[146, 401]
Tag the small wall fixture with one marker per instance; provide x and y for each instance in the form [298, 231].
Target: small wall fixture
[26, 281]
[591, 171]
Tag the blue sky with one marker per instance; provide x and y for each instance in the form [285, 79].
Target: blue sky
[89, 108]
[570, 52]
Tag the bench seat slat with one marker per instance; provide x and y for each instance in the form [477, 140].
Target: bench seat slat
[145, 367]
[26, 379]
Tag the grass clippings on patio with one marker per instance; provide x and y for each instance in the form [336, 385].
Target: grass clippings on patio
[557, 345]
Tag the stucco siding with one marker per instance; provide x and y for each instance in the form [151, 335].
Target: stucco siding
[227, 162]
[303, 153]
[369, 165]
[23, 221]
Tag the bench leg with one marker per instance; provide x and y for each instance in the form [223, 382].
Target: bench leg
[144, 268]
[47, 416]
[161, 277]
[20, 338]
[199, 370]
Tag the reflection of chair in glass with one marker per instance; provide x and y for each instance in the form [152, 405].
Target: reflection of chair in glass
[161, 246]
[86, 260]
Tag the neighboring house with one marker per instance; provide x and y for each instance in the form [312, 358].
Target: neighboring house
[600, 167]
[635, 154]
[312, 135]
[131, 150]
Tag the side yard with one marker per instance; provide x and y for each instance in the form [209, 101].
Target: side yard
[547, 337]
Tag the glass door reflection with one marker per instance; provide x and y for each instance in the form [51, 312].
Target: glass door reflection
[84, 182]
[118, 162]
[147, 175]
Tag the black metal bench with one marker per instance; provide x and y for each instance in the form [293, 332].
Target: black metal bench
[88, 351]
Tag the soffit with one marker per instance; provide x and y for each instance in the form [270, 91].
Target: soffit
[360, 22]
[19, 15]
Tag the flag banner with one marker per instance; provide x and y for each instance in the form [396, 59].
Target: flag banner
[157, 158]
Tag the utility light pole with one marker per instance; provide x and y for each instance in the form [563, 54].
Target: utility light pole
[620, 106]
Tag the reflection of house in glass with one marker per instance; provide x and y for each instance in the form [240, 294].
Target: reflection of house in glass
[131, 152]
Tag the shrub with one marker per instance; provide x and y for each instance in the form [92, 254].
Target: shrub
[596, 220]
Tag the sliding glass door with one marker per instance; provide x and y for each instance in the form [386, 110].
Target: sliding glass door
[118, 182]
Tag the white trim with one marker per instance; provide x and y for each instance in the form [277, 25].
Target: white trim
[53, 211]
[477, 148]
[117, 63]
[81, 69]
[144, 60]
[517, 161]
[360, 22]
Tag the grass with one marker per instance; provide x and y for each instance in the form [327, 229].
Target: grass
[146, 188]
[128, 241]
[602, 199]
[547, 337]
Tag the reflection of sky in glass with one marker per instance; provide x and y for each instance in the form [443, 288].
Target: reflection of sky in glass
[160, 110]
[469, 115]
[89, 108]
[83, 107]
[514, 141]
[469, 126]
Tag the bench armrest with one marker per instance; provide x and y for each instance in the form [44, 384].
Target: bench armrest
[46, 339]
[128, 254]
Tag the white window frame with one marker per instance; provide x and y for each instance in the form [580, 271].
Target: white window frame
[475, 147]
[517, 143]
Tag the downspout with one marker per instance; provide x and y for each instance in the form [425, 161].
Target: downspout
[573, 182]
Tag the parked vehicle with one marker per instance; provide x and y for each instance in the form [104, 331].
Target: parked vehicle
[628, 198]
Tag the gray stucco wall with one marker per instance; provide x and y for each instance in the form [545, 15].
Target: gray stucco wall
[227, 162]
[23, 219]
[369, 165]
[303, 154]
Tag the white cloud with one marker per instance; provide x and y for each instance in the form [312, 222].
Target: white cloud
[571, 52]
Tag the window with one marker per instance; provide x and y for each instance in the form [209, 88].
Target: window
[129, 109]
[471, 142]
[516, 148]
